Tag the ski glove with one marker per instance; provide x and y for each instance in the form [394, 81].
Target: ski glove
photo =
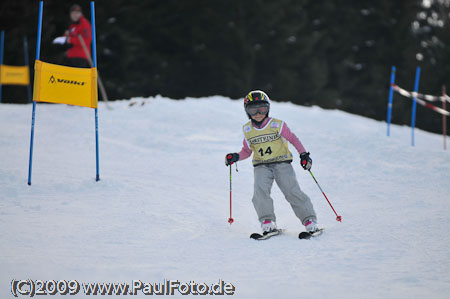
[231, 158]
[305, 161]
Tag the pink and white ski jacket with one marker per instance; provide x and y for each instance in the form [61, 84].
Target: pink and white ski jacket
[285, 133]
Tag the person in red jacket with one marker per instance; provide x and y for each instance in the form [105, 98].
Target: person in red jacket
[80, 26]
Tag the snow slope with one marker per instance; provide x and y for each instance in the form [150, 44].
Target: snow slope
[160, 210]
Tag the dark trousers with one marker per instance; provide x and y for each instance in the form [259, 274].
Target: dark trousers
[76, 62]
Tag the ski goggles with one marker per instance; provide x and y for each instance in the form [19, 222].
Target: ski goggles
[255, 109]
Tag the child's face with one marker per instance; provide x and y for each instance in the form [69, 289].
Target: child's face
[258, 117]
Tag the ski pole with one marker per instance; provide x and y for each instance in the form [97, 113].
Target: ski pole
[100, 82]
[338, 218]
[230, 220]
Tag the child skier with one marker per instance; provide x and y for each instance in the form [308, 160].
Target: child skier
[267, 138]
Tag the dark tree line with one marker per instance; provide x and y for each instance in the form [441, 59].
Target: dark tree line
[335, 54]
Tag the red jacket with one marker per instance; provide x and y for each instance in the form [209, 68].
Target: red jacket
[83, 28]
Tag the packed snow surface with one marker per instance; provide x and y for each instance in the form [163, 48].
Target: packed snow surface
[161, 207]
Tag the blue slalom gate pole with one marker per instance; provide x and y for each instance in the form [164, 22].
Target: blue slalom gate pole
[2, 44]
[391, 95]
[94, 64]
[413, 116]
[25, 49]
[38, 53]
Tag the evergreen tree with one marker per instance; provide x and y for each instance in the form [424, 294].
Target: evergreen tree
[335, 54]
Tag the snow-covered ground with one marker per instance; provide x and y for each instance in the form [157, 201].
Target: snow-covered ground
[160, 210]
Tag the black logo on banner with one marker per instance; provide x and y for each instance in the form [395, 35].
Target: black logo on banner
[65, 81]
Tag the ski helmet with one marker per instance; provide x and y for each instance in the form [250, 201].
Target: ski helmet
[256, 98]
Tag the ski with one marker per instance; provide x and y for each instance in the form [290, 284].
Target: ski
[260, 237]
[302, 235]
[308, 235]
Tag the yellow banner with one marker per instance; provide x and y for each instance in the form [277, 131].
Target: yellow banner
[14, 75]
[65, 85]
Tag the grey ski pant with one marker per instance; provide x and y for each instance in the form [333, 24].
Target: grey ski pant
[284, 175]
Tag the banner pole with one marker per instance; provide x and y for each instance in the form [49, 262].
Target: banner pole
[413, 116]
[94, 58]
[2, 44]
[391, 95]
[38, 53]
[444, 117]
[27, 63]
